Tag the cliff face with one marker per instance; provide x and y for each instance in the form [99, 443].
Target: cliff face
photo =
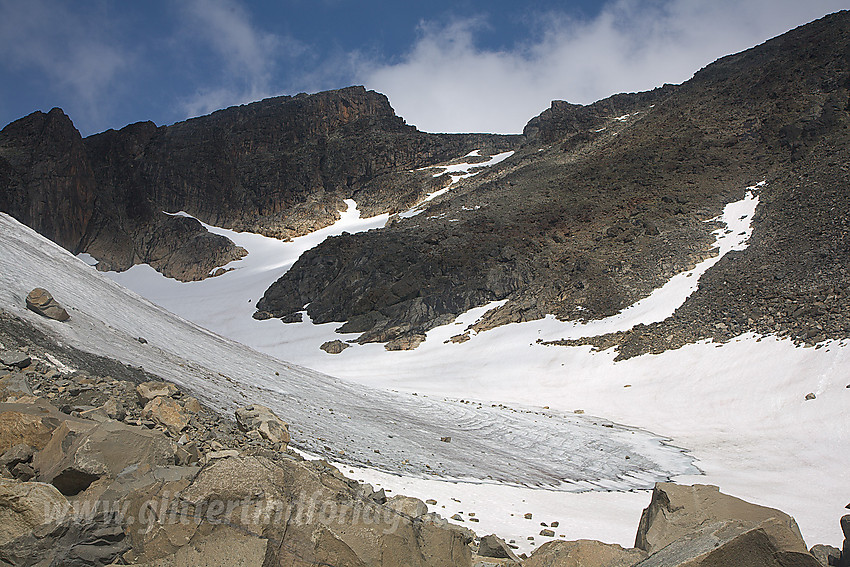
[606, 202]
[281, 167]
[45, 177]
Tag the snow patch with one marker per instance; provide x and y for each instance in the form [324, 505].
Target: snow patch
[457, 172]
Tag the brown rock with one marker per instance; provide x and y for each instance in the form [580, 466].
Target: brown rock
[583, 553]
[80, 453]
[192, 405]
[28, 424]
[147, 391]
[264, 420]
[223, 546]
[27, 505]
[334, 347]
[493, 546]
[677, 510]
[406, 342]
[40, 301]
[167, 412]
[407, 505]
[735, 542]
[328, 522]
[826, 554]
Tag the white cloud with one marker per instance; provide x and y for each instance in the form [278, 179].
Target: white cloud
[249, 56]
[446, 83]
[75, 52]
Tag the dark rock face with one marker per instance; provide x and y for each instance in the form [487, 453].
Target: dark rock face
[575, 122]
[46, 181]
[281, 167]
[599, 208]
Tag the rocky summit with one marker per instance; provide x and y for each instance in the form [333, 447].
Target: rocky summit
[604, 203]
[281, 167]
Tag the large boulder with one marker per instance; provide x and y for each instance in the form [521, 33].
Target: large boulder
[13, 386]
[407, 505]
[80, 453]
[73, 541]
[826, 554]
[734, 542]
[40, 301]
[168, 413]
[27, 505]
[495, 547]
[584, 553]
[28, 424]
[677, 510]
[15, 358]
[147, 391]
[263, 420]
[316, 515]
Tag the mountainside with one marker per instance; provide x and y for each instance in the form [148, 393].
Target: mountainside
[281, 167]
[598, 208]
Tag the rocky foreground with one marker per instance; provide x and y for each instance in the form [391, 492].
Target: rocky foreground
[103, 464]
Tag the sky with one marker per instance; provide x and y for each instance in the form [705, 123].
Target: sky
[446, 66]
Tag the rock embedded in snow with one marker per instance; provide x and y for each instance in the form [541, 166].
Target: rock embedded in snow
[495, 547]
[334, 347]
[41, 301]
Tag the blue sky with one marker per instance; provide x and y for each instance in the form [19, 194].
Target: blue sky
[446, 66]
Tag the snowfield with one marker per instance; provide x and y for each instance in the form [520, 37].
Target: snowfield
[533, 428]
[343, 420]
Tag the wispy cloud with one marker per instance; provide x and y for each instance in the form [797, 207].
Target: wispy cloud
[74, 52]
[249, 57]
[447, 83]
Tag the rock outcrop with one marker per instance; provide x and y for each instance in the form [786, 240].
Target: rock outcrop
[46, 179]
[677, 510]
[281, 167]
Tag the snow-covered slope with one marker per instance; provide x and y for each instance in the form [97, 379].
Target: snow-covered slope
[740, 408]
[344, 420]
